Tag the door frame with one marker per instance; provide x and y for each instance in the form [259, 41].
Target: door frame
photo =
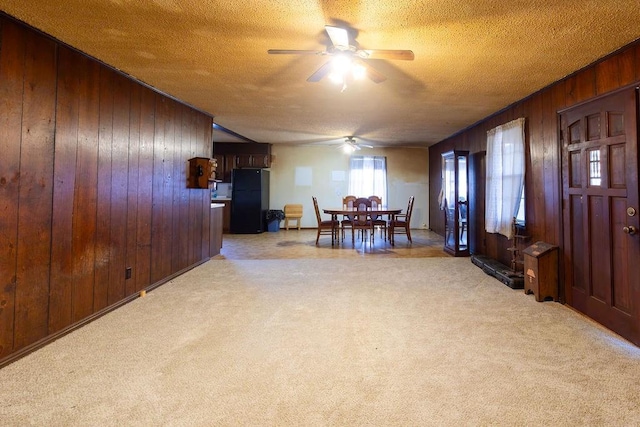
[565, 289]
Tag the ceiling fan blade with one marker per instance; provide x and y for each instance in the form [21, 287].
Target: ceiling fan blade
[366, 145]
[294, 52]
[373, 74]
[339, 37]
[320, 73]
[403, 55]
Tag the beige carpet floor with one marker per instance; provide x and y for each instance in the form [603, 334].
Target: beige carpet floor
[330, 342]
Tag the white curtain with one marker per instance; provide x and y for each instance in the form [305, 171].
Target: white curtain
[368, 177]
[505, 176]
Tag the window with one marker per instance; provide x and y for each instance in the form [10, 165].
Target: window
[368, 176]
[505, 177]
[595, 175]
[520, 215]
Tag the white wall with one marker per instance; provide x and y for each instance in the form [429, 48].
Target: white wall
[407, 175]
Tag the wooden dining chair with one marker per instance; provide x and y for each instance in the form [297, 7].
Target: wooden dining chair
[361, 219]
[347, 202]
[326, 226]
[449, 224]
[462, 209]
[401, 223]
[377, 219]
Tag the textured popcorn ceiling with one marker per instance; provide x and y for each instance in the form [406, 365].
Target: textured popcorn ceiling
[472, 57]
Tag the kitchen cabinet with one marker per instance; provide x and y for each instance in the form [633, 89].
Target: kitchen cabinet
[226, 216]
[252, 161]
[243, 160]
[261, 160]
[240, 155]
[226, 163]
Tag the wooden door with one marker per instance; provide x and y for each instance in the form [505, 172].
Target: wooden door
[600, 211]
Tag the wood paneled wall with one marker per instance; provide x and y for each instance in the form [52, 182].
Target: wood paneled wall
[543, 176]
[92, 181]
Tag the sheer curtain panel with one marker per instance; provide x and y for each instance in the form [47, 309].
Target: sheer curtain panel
[368, 176]
[505, 176]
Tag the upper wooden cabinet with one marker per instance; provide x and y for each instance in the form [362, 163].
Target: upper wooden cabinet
[261, 160]
[252, 160]
[243, 161]
[240, 155]
[222, 168]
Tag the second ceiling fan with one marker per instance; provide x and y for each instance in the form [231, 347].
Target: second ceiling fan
[348, 60]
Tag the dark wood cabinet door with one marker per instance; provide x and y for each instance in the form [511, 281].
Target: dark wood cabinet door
[226, 219]
[215, 231]
[600, 211]
[261, 160]
[243, 161]
[252, 160]
[229, 165]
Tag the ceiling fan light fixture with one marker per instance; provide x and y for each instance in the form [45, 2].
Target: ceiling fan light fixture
[348, 148]
[358, 71]
[336, 78]
[343, 51]
[341, 64]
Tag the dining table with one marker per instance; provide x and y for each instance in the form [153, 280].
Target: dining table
[374, 211]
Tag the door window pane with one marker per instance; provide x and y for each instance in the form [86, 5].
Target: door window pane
[595, 177]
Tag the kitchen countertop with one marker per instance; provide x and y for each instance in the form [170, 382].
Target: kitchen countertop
[217, 205]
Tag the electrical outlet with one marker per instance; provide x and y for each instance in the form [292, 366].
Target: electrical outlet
[127, 273]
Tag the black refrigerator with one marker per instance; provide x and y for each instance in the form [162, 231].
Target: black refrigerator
[249, 200]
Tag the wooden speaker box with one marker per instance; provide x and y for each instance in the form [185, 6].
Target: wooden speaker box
[541, 270]
[202, 171]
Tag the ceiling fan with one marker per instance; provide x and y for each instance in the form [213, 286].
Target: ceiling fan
[350, 145]
[348, 60]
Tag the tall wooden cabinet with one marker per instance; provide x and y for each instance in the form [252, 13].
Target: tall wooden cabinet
[455, 201]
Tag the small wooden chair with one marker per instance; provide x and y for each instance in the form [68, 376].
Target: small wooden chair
[292, 212]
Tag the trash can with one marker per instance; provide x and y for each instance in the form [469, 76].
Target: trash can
[273, 218]
[541, 271]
